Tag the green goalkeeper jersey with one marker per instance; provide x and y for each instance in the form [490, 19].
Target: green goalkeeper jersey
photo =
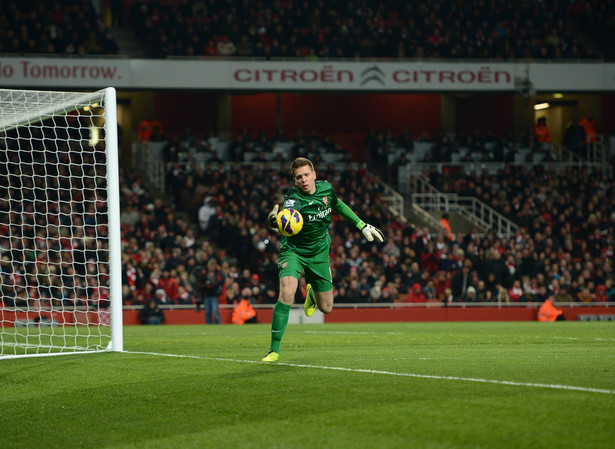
[316, 211]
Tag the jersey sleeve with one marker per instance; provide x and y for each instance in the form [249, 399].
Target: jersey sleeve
[342, 208]
[291, 200]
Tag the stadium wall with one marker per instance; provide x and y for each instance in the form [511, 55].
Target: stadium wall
[178, 110]
[390, 314]
[341, 314]
[352, 113]
[345, 118]
[482, 112]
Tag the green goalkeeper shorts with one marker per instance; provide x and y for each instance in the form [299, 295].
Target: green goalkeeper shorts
[317, 269]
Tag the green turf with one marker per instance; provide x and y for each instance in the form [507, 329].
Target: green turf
[222, 397]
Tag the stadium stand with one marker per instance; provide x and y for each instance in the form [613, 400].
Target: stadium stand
[554, 247]
[391, 30]
[555, 29]
[54, 27]
[566, 235]
[566, 217]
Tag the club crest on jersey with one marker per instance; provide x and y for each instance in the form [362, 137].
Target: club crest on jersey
[324, 200]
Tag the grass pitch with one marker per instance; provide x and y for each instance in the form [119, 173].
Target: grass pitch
[400, 385]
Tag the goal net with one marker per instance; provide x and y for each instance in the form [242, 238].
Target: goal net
[60, 260]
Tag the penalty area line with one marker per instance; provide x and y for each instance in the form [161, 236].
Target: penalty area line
[390, 373]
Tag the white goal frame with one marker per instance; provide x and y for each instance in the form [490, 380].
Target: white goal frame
[19, 110]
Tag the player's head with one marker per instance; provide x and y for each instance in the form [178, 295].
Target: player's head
[300, 162]
[304, 174]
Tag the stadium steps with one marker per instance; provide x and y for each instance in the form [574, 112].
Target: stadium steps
[127, 42]
[422, 218]
[459, 223]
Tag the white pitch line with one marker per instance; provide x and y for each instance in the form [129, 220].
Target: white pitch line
[352, 333]
[392, 373]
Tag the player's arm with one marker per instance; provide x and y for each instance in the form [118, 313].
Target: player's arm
[370, 232]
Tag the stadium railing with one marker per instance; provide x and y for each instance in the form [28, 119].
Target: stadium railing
[393, 199]
[406, 171]
[429, 199]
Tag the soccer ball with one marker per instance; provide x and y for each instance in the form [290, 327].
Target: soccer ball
[290, 222]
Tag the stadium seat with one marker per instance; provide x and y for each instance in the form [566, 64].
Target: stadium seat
[222, 148]
[457, 157]
[521, 154]
[332, 157]
[201, 157]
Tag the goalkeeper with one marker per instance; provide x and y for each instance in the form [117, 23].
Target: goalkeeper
[309, 250]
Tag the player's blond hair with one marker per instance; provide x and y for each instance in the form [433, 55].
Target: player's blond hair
[300, 162]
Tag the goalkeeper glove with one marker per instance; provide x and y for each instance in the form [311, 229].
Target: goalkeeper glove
[271, 218]
[370, 232]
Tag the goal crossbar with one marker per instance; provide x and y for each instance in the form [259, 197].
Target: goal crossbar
[19, 107]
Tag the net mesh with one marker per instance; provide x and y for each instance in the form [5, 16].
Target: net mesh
[54, 245]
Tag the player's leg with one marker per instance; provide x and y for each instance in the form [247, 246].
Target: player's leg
[279, 319]
[290, 269]
[318, 275]
[324, 301]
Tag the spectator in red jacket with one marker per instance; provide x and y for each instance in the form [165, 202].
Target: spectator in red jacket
[543, 134]
[515, 293]
[149, 129]
[600, 295]
[416, 293]
[589, 125]
[169, 284]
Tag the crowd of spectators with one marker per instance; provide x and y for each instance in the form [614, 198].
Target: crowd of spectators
[260, 148]
[502, 30]
[217, 212]
[553, 29]
[384, 150]
[387, 151]
[53, 234]
[565, 244]
[50, 27]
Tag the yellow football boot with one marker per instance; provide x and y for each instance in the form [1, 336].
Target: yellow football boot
[271, 357]
[310, 304]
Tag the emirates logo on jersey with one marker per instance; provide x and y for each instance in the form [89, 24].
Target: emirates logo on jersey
[324, 200]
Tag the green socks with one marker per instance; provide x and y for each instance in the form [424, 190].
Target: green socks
[279, 321]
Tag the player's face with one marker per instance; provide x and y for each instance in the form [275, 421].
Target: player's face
[305, 179]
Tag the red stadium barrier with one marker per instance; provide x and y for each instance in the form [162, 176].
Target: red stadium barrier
[390, 314]
[70, 317]
[340, 314]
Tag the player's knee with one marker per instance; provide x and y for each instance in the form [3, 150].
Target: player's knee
[288, 287]
[286, 297]
[326, 308]
[324, 301]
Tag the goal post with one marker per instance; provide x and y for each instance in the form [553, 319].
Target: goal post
[113, 207]
[60, 242]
